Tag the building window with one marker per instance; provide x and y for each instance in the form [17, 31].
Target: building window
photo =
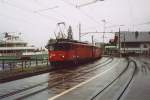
[145, 46]
[136, 34]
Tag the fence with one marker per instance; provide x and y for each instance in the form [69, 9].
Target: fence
[11, 64]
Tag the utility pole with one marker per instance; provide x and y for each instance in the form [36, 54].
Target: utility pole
[104, 21]
[92, 40]
[119, 44]
[79, 32]
[124, 44]
[119, 41]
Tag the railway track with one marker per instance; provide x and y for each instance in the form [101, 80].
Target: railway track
[88, 70]
[126, 85]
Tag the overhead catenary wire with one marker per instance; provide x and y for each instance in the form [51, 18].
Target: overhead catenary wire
[131, 13]
[15, 19]
[69, 3]
[30, 11]
[52, 18]
[144, 23]
[49, 8]
[41, 10]
[88, 16]
[82, 12]
[88, 3]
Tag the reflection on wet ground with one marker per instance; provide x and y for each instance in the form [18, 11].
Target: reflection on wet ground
[62, 79]
[139, 89]
[44, 86]
[144, 65]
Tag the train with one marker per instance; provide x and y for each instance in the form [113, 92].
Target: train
[66, 51]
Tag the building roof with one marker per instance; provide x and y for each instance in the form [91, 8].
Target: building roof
[134, 36]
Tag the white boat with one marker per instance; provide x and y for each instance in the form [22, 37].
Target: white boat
[13, 46]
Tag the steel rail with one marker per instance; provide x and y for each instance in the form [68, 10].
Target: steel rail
[28, 88]
[100, 91]
[69, 79]
[134, 72]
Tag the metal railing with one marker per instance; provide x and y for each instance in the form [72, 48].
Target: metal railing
[11, 64]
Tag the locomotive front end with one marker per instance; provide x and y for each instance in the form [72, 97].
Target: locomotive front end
[58, 52]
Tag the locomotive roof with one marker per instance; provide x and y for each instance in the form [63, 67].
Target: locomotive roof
[67, 41]
[54, 41]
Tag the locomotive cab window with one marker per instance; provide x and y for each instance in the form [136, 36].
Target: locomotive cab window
[51, 47]
[61, 47]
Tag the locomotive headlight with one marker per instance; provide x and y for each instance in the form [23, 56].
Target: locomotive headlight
[62, 56]
[52, 54]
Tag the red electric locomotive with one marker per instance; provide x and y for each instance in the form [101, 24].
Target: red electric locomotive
[62, 51]
[66, 51]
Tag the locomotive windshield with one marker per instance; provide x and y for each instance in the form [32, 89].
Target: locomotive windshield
[57, 47]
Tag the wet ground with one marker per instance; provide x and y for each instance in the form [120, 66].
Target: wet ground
[105, 79]
[140, 86]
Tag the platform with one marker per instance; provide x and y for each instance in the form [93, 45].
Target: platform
[89, 88]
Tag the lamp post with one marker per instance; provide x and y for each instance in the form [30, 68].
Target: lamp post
[119, 44]
[124, 43]
[119, 41]
[104, 21]
[92, 37]
[79, 32]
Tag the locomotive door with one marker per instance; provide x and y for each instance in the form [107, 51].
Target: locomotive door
[75, 54]
[93, 52]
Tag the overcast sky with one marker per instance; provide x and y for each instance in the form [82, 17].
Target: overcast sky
[37, 19]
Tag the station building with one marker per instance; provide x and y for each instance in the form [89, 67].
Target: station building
[134, 42]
